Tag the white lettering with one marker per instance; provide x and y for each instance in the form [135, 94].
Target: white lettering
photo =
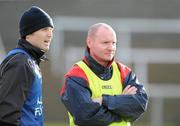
[39, 109]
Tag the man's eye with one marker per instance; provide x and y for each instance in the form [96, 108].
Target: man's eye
[114, 43]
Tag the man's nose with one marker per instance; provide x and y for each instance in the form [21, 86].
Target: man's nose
[112, 46]
[50, 33]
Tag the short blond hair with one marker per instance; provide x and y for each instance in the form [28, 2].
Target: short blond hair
[94, 28]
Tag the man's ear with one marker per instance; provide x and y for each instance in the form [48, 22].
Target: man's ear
[88, 42]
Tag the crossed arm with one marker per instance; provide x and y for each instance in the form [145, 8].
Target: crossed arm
[129, 90]
[106, 109]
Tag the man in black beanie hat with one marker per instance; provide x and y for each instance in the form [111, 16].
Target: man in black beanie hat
[20, 77]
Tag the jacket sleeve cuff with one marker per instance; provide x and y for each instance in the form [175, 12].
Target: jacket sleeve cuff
[105, 100]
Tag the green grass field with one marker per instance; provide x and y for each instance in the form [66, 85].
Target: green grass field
[137, 124]
[56, 124]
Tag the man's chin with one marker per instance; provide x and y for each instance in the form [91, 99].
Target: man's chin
[109, 59]
[45, 50]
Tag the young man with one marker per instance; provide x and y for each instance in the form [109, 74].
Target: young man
[20, 76]
[99, 91]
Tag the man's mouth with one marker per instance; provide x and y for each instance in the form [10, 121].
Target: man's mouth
[46, 41]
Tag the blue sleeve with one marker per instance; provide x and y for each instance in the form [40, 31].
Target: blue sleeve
[77, 99]
[129, 107]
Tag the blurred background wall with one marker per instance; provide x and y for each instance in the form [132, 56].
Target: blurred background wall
[148, 41]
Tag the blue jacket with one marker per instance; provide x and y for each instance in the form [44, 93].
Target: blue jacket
[76, 96]
[21, 87]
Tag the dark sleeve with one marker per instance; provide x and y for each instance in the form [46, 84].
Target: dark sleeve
[129, 107]
[7, 124]
[77, 99]
[15, 80]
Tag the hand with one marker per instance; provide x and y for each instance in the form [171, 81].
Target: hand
[130, 90]
[98, 100]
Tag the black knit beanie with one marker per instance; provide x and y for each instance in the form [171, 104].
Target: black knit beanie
[34, 19]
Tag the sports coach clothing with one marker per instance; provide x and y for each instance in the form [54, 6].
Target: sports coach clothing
[77, 94]
[100, 87]
[21, 87]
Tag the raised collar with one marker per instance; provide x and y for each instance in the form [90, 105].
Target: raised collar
[95, 66]
[36, 53]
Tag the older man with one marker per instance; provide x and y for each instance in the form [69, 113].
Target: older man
[99, 91]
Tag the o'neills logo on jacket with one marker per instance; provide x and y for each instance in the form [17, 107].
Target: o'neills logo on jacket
[107, 87]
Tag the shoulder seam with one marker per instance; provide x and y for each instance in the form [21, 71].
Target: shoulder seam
[8, 62]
